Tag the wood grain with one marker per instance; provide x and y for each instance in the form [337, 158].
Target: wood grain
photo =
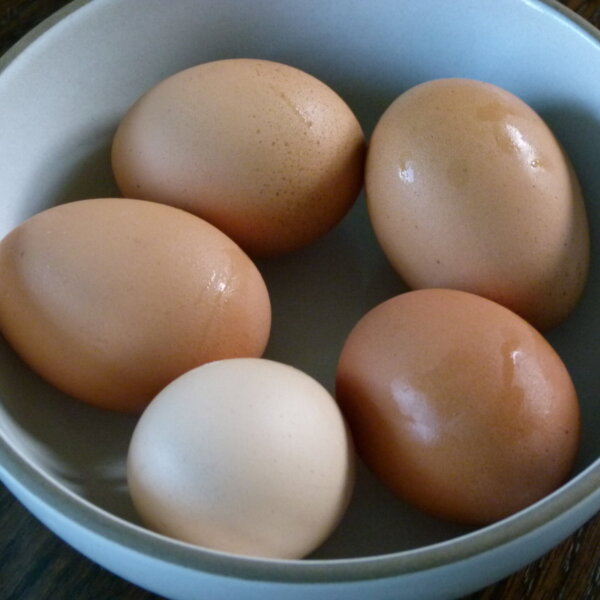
[589, 9]
[36, 565]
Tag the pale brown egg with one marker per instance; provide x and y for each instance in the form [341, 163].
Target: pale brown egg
[266, 152]
[245, 455]
[468, 188]
[111, 299]
[459, 405]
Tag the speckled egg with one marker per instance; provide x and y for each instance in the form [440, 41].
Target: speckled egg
[266, 152]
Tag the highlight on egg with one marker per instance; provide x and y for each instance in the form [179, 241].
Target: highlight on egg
[268, 153]
[110, 299]
[458, 405]
[468, 188]
[247, 456]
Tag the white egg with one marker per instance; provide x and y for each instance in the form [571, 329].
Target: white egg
[247, 455]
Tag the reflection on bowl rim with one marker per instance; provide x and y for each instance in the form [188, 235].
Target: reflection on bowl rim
[122, 532]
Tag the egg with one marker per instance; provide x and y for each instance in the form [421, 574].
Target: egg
[467, 188]
[110, 299]
[247, 456]
[460, 406]
[266, 152]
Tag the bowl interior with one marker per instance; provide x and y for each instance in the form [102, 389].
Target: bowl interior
[61, 100]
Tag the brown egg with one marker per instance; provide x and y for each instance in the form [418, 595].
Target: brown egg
[267, 153]
[111, 299]
[460, 406]
[469, 189]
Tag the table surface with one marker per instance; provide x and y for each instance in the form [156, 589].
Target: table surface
[36, 565]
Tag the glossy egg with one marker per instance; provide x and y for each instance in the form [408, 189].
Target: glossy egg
[111, 299]
[266, 152]
[247, 456]
[469, 189]
[459, 405]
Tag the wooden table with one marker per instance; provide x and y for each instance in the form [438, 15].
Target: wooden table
[36, 565]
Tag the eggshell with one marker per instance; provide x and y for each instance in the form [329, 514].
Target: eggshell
[460, 406]
[468, 188]
[268, 153]
[111, 299]
[247, 456]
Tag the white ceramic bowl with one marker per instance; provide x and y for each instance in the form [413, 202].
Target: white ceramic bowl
[62, 92]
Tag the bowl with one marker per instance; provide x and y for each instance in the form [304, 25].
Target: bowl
[64, 88]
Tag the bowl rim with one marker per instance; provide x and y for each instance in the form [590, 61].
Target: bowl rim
[136, 538]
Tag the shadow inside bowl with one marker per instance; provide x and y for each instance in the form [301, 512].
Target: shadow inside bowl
[578, 130]
[80, 447]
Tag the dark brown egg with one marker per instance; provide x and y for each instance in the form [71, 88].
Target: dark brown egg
[458, 405]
